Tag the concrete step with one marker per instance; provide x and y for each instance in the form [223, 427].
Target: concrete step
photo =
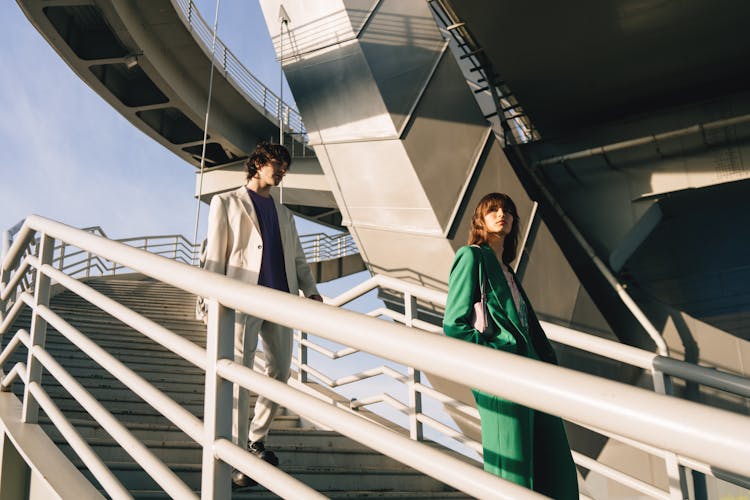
[317, 477]
[126, 411]
[70, 356]
[106, 396]
[95, 381]
[188, 452]
[294, 437]
[137, 345]
[262, 493]
[143, 368]
[134, 295]
[152, 374]
[68, 352]
[154, 301]
[96, 327]
[94, 322]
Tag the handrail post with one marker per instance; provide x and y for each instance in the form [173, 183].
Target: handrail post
[4, 273]
[675, 472]
[302, 358]
[61, 264]
[38, 329]
[217, 410]
[5, 245]
[416, 430]
[88, 264]
[176, 239]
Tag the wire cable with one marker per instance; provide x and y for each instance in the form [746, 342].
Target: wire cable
[205, 131]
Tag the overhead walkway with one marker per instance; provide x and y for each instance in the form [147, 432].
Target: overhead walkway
[127, 350]
[151, 61]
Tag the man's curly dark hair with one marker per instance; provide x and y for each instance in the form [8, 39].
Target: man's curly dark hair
[266, 152]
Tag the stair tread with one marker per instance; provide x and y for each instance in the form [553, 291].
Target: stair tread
[261, 492]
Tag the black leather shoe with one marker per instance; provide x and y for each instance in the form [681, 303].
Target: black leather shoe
[241, 480]
[258, 449]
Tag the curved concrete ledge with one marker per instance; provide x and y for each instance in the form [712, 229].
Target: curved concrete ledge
[50, 473]
[142, 60]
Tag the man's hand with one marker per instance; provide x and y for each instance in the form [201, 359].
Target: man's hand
[316, 297]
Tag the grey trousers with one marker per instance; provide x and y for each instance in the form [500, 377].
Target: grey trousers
[277, 348]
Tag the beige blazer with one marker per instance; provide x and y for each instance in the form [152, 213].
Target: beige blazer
[235, 245]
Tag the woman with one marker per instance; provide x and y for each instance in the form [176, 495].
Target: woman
[521, 445]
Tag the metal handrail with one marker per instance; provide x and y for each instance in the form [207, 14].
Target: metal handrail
[512, 119]
[252, 88]
[531, 383]
[81, 263]
[466, 480]
[321, 246]
[408, 347]
[658, 365]
[634, 356]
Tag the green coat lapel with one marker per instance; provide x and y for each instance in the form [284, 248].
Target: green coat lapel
[504, 308]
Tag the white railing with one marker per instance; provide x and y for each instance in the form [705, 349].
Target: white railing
[660, 367]
[652, 420]
[83, 264]
[509, 118]
[252, 88]
[320, 246]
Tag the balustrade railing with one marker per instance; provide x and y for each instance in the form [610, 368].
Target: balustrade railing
[668, 427]
[660, 367]
[252, 88]
[320, 246]
[83, 264]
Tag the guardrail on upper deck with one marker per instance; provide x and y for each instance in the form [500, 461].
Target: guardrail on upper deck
[253, 89]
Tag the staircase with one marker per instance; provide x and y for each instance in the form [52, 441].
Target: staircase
[327, 461]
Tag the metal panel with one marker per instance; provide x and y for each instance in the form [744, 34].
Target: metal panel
[445, 138]
[401, 44]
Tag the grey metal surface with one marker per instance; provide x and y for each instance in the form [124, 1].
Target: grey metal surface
[641, 107]
[583, 64]
[706, 376]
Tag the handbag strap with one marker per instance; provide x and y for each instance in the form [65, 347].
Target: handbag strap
[483, 286]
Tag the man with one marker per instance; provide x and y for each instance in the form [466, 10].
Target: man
[253, 238]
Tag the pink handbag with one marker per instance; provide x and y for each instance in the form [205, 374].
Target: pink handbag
[480, 319]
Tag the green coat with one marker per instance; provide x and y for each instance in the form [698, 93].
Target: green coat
[521, 445]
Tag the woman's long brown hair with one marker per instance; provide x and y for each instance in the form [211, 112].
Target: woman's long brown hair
[478, 233]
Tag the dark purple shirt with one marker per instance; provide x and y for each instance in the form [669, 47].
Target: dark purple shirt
[272, 269]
